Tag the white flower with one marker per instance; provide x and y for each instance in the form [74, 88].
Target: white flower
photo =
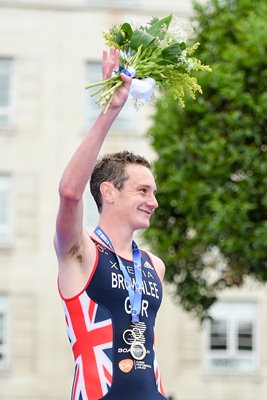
[142, 89]
[180, 30]
[190, 64]
[131, 71]
[182, 57]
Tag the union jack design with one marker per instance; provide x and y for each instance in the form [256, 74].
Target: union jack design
[157, 376]
[89, 329]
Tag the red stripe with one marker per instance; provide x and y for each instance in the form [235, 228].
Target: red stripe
[162, 390]
[84, 346]
[75, 383]
[92, 307]
[108, 375]
[157, 374]
[67, 299]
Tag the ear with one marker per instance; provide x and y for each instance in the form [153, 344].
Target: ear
[107, 192]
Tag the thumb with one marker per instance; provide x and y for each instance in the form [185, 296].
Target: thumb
[127, 80]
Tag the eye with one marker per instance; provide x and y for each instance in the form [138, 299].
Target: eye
[143, 190]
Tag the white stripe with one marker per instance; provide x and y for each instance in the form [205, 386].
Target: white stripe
[85, 304]
[80, 388]
[69, 327]
[103, 361]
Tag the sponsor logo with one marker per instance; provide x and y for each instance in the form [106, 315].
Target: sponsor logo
[123, 350]
[148, 265]
[126, 365]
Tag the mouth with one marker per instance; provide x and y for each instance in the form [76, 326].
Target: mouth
[149, 213]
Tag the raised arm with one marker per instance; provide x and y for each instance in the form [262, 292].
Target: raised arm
[69, 225]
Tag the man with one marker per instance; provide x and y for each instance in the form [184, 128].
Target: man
[110, 289]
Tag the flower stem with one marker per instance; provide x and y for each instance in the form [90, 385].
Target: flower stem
[111, 90]
[104, 82]
[96, 91]
[108, 104]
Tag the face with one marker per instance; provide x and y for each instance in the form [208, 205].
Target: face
[136, 201]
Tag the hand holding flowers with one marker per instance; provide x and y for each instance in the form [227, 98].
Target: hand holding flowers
[110, 62]
[154, 55]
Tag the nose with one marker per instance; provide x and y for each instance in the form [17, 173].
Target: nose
[153, 203]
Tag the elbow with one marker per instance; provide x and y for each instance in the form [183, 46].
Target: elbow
[69, 192]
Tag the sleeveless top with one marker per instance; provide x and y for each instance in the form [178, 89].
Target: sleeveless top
[96, 319]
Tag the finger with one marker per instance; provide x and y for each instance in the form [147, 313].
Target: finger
[114, 58]
[104, 56]
[108, 62]
[127, 80]
[117, 58]
[104, 64]
[111, 56]
[112, 51]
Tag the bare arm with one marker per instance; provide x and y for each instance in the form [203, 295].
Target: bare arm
[69, 225]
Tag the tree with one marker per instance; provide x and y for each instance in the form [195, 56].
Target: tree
[211, 169]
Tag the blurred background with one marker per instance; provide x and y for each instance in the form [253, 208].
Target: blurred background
[49, 50]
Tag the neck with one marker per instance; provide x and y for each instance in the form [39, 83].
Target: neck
[120, 237]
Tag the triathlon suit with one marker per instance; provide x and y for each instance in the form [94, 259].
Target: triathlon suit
[96, 320]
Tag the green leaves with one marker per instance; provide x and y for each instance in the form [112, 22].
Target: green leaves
[124, 34]
[153, 52]
[211, 168]
[127, 29]
[171, 53]
[141, 38]
[159, 28]
[147, 37]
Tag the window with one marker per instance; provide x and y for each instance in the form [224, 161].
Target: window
[6, 101]
[5, 211]
[3, 330]
[125, 121]
[231, 337]
[113, 2]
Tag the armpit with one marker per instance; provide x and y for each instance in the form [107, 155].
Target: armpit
[76, 252]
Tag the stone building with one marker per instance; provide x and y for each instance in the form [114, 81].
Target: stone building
[49, 50]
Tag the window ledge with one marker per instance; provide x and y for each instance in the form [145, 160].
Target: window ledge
[6, 247]
[7, 130]
[5, 370]
[232, 375]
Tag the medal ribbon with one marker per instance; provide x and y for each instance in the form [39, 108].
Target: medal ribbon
[134, 290]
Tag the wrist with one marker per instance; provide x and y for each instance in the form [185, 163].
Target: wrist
[111, 113]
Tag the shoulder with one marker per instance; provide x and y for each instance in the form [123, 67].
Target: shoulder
[158, 265]
[76, 266]
[77, 250]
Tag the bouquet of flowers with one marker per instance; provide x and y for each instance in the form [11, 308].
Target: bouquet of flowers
[154, 55]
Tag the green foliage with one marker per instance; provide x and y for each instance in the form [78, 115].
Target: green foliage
[153, 51]
[211, 168]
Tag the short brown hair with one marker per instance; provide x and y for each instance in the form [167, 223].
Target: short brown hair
[111, 168]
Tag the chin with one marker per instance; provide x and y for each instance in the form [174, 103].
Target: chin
[144, 225]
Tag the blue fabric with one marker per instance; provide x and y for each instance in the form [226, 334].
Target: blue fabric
[107, 288]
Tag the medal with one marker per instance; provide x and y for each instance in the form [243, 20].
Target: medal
[135, 339]
[134, 289]
[138, 351]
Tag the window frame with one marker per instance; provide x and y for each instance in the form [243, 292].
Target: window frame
[112, 3]
[5, 346]
[8, 109]
[6, 228]
[125, 122]
[232, 354]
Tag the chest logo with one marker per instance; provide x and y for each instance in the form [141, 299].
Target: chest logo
[126, 365]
